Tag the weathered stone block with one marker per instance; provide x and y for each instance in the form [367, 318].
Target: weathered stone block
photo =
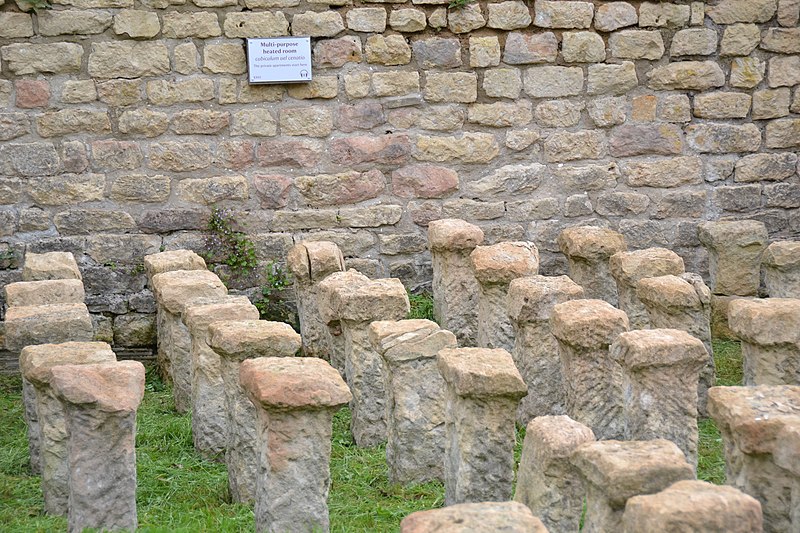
[570, 146]
[612, 16]
[735, 249]
[527, 48]
[259, 24]
[317, 24]
[125, 59]
[563, 14]
[686, 75]
[73, 22]
[636, 44]
[553, 82]
[506, 516]
[51, 58]
[724, 138]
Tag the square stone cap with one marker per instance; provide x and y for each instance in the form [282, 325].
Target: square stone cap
[588, 324]
[173, 288]
[328, 310]
[201, 314]
[500, 263]
[557, 436]
[783, 255]
[622, 469]
[312, 261]
[531, 299]
[693, 505]
[245, 339]
[591, 243]
[733, 233]
[45, 292]
[754, 416]
[670, 293]
[52, 312]
[36, 362]
[108, 387]
[658, 348]
[379, 299]
[172, 260]
[50, 265]
[767, 321]
[629, 267]
[787, 455]
[481, 372]
[452, 234]
[400, 341]
[487, 517]
[287, 383]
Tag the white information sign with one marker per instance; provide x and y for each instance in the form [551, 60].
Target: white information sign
[279, 60]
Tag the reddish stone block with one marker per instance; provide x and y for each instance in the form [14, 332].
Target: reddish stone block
[32, 93]
[272, 189]
[424, 181]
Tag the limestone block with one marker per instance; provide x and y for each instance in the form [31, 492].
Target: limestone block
[235, 341]
[100, 402]
[311, 262]
[750, 420]
[451, 87]
[563, 14]
[683, 303]
[735, 249]
[511, 517]
[530, 306]
[137, 24]
[437, 52]
[483, 389]
[407, 20]
[740, 39]
[615, 471]
[787, 457]
[356, 305]
[663, 15]
[722, 105]
[224, 58]
[686, 75]
[295, 399]
[747, 72]
[547, 482]
[732, 11]
[128, 59]
[628, 268]
[172, 260]
[611, 79]
[210, 420]
[788, 12]
[171, 290]
[466, 19]
[582, 47]
[553, 82]
[510, 15]
[781, 263]
[73, 22]
[261, 24]
[636, 44]
[771, 103]
[50, 58]
[15, 25]
[484, 51]
[528, 48]
[329, 316]
[52, 323]
[455, 288]
[317, 24]
[695, 505]
[36, 365]
[415, 397]
[165, 92]
[783, 133]
[694, 42]
[723, 138]
[588, 250]
[45, 292]
[615, 15]
[50, 265]
[661, 371]
[770, 333]
[592, 379]
[495, 267]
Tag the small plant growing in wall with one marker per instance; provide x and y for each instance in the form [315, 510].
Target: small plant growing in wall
[270, 305]
[459, 4]
[33, 5]
[226, 244]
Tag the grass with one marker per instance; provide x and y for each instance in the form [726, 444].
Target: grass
[179, 492]
[421, 305]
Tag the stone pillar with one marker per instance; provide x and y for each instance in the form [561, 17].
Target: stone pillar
[588, 249]
[683, 302]
[48, 292]
[36, 364]
[357, 305]
[330, 316]
[693, 506]
[310, 262]
[628, 268]
[415, 393]
[787, 456]
[234, 341]
[781, 264]
[750, 420]
[770, 333]
[734, 249]
[170, 261]
[547, 482]
[495, 267]
[50, 265]
[455, 289]
[483, 389]
[508, 517]
[661, 369]
[530, 306]
[41, 324]
[615, 471]
[100, 403]
[295, 399]
[209, 414]
[171, 290]
[592, 380]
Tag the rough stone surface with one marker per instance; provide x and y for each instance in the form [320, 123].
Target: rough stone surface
[295, 399]
[415, 397]
[735, 250]
[781, 263]
[588, 250]
[592, 379]
[504, 516]
[50, 265]
[61, 291]
[51, 323]
[483, 388]
[547, 482]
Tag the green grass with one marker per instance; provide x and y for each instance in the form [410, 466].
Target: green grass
[421, 305]
[178, 491]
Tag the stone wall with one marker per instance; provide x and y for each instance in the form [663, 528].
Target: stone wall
[124, 121]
